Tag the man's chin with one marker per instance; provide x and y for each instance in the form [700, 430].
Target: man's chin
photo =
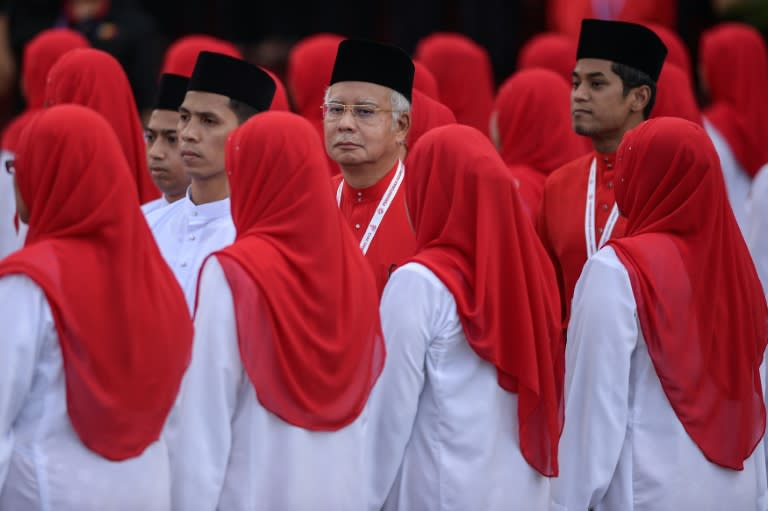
[583, 130]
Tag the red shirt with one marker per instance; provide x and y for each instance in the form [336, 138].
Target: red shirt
[561, 218]
[395, 240]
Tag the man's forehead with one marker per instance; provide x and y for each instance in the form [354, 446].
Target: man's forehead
[354, 92]
[590, 66]
[198, 101]
[162, 120]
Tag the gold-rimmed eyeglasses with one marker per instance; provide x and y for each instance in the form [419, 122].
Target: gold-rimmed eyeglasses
[364, 113]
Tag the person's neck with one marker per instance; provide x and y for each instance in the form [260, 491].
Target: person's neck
[171, 198]
[608, 143]
[212, 189]
[365, 176]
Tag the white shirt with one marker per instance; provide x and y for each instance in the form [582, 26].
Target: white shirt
[10, 240]
[188, 233]
[149, 207]
[43, 463]
[623, 447]
[230, 453]
[442, 434]
[738, 183]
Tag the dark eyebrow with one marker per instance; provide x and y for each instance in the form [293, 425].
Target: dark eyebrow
[596, 74]
[167, 132]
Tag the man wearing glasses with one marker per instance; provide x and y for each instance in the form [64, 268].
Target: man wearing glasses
[366, 117]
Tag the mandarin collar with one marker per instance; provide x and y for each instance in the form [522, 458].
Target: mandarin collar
[374, 192]
[205, 212]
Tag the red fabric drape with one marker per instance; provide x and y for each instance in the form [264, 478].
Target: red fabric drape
[305, 298]
[94, 78]
[556, 52]
[464, 76]
[674, 95]
[426, 113]
[122, 322]
[565, 15]
[180, 57]
[735, 110]
[424, 81]
[472, 232]
[700, 304]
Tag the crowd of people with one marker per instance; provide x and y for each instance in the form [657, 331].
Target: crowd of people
[384, 284]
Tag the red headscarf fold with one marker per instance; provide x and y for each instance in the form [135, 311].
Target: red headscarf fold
[40, 54]
[471, 232]
[556, 52]
[94, 78]
[533, 119]
[310, 65]
[677, 52]
[123, 325]
[305, 299]
[700, 304]
[453, 58]
[735, 65]
[565, 15]
[674, 95]
[424, 81]
[180, 57]
[426, 114]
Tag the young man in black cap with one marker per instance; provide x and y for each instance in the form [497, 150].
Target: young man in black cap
[614, 88]
[163, 154]
[366, 117]
[223, 92]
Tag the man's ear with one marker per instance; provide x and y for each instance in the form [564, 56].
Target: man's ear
[640, 98]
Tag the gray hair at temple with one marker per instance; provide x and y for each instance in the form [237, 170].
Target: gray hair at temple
[398, 103]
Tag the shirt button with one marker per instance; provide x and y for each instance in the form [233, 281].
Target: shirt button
[357, 226]
[183, 265]
[359, 194]
[600, 230]
[194, 213]
[610, 184]
[605, 207]
[192, 237]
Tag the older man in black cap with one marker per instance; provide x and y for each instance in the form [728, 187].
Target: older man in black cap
[163, 154]
[223, 93]
[366, 117]
[614, 88]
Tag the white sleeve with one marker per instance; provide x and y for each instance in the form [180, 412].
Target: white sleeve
[199, 432]
[405, 319]
[22, 314]
[602, 335]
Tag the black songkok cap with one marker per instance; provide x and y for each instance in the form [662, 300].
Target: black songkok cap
[170, 92]
[367, 61]
[234, 78]
[630, 44]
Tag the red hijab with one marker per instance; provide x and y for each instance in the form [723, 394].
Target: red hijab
[426, 114]
[181, 56]
[472, 233]
[556, 52]
[424, 81]
[94, 78]
[674, 95]
[565, 15]
[452, 58]
[121, 319]
[735, 65]
[40, 54]
[295, 263]
[678, 53]
[533, 120]
[310, 64]
[700, 304]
